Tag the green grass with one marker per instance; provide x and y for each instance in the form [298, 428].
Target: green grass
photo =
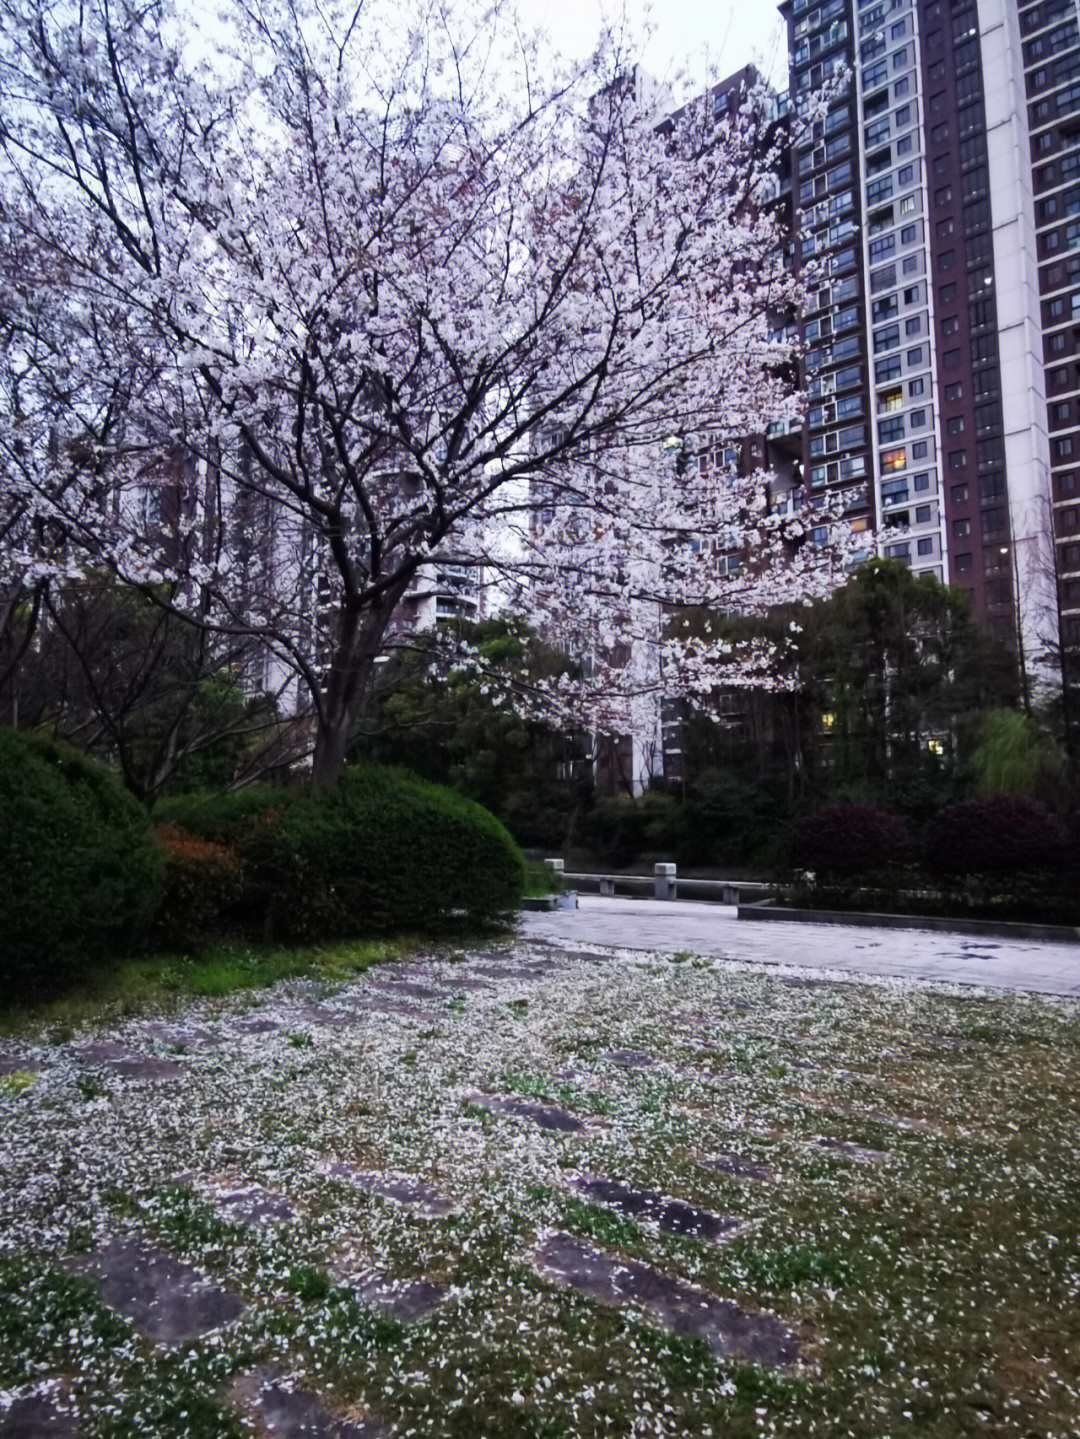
[155, 982]
[933, 1291]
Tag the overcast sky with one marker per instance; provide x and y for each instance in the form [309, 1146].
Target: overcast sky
[727, 34]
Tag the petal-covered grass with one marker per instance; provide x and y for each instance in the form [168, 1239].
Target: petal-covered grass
[928, 1257]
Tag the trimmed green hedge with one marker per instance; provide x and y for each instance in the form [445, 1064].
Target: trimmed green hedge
[79, 872]
[221, 818]
[383, 851]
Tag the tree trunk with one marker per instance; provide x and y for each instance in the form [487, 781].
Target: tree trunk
[352, 669]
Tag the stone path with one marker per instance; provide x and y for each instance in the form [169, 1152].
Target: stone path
[610, 1278]
[1035, 966]
[170, 1302]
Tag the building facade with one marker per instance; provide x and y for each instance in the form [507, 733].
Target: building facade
[935, 200]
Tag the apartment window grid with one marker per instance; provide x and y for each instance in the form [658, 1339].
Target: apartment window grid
[897, 262]
[828, 193]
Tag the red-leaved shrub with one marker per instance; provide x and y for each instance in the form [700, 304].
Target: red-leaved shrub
[202, 890]
[994, 836]
[842, 841]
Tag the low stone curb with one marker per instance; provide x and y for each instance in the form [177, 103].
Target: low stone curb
[990, 928]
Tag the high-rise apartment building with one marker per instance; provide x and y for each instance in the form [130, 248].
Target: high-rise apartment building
[939, 200]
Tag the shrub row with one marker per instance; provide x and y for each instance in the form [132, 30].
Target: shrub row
[82, 874]
[991, 837]
[79, 874]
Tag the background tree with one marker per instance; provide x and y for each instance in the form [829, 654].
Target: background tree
[127, 681]
[458, 725]
[373, 282]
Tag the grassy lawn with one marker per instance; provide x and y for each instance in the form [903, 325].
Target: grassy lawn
[893, 1175]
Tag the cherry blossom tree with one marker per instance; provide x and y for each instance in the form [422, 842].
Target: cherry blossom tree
[287, 321]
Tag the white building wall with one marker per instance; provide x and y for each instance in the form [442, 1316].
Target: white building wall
[1023, 388]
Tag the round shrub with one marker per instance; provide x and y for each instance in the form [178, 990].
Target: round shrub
[79, 872]
[842, 841]
[202, 889]
[383, 851]
[994, 836]
[221, 817]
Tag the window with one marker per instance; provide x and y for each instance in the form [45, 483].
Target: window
[912, 264]
[886, 370]
[920, 449]
[925, 547]
[886, 339]
[954, 391]
[902, 87]
[916, 387]
[951, 359]
[882, 279]
[908, 205]
[912, 294]
[945, 227]
[918, 419]
[959, 494]
[960, 528]
[943, 196]
[905, 175]
[962, 564]
[947, 259]
[893, 460]
[913, 325]
[908, 234]
[903, 115]
[914, 357]
[947, 293]
[957, 459]
[922, 481]
[956, 425]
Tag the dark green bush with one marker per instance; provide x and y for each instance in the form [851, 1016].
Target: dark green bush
[202, 890]
[79, 872]
[845, 840]
[383, 851]
[619, 827]
[994, 836]
[223, 818]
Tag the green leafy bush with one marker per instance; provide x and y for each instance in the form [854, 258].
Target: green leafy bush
[842, 841]
[619, 827]
[79, 872]
[223, 818]
[994, 836]
[202, 890]
[383, 851]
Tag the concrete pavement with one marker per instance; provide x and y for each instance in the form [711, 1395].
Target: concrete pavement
[1030, 965]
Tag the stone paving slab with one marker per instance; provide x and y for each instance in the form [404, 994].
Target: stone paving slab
[737, 1167]
[729, 1330]
[409, 1300]
[166, 1299]
[410, 988]
[250, 1204]
[544, 1116]
[38, 1416]
[405, 1189]
[670, 1216]
[127, 1063]
[280, 1411]
[1036, 966]
[190, 1036]
[16, 1064]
